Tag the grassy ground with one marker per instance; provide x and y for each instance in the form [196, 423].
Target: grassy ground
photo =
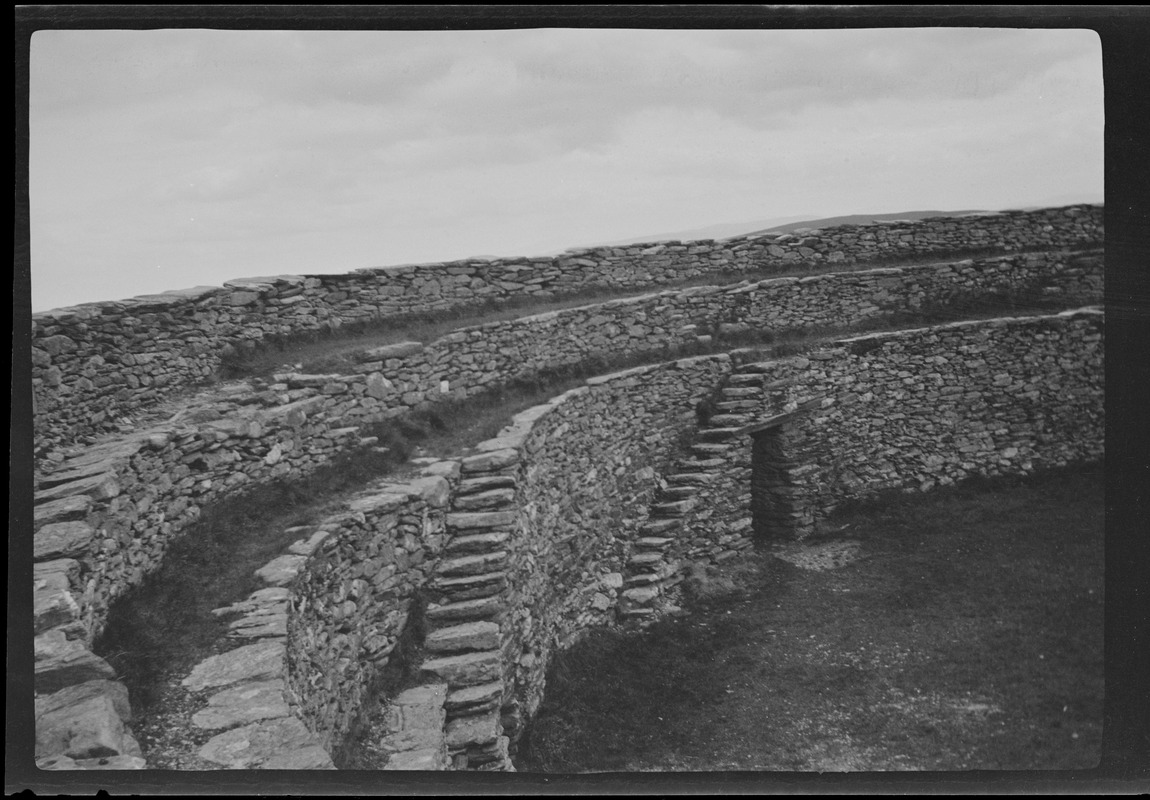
[969, 636]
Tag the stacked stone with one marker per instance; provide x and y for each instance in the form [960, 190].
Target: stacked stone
[95, 365]
[415, 739]
[355, 595]
[909, 410]
[117, 505]
[467, 608]
[82, 714]
[671, 534]
[246, 689]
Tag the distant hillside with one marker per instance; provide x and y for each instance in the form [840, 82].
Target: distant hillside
[721, 231]
[857, 219]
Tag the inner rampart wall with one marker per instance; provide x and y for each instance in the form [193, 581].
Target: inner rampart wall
[96, 365]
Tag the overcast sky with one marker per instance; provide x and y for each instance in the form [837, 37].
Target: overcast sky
[174, 158]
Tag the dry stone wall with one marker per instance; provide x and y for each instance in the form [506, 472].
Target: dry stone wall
[907, 410]
[96, 365]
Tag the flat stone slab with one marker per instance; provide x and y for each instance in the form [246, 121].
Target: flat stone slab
[52, 600]
[468, 636]
[84, 721]
[479, 729]
[60, 539]
[242, 705]
[484, 694]
[271, 598]
[64, 510]
[427, 760]
[97, 487]
[276, 744]
[489, 461]
[109, 762]
[259, 626]
[253, 662]
[478, 520]
[281, 570]
[305, 547]
[468, 669]
[61, 662]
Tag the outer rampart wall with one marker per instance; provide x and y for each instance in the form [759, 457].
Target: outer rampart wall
[95, 365]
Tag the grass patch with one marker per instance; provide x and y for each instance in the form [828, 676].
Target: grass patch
[969, 637]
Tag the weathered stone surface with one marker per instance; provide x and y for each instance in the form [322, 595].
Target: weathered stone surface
[61, 662]
[67, 509]
[244, 704]
[84, 721]
[109, 762]
[431, 759]
[97, 487]
[478, 729]
[281, 570]
[479, 696]
[487, 462]
[52, 601]
[60, 539]
[469, 636]
[274, 744]
[495, 498]
[253, 662]
[473, 564]
[464, 670]
[482, 608]
[480, 520]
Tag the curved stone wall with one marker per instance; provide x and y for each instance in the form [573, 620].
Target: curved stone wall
[905, 410]
[95, 365]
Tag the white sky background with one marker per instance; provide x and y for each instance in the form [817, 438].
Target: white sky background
[169, 159]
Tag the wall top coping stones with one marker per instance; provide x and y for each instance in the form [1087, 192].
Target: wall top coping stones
[998, 322]
[180, 296]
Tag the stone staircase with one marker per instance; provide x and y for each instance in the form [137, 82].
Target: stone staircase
[464, 644]
[655, 565]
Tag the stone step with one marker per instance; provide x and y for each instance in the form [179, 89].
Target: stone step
[476, 521]
[653, 542]
[468, 587]
[744, 378]
[473, 565]
[691, 478]
[737, 405]
[717, 434]
[478, 542]
[473, 699]
[491, 608]
[674, 509]
[711, 449]
[737, 392]
[678, 492]
[645, 562]
[466, 669]
[272, 744]
[468, 636]
[484, 501]
[701, 464]
[477, 729]
[653, 527]
[484, 484]
[730, 420]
